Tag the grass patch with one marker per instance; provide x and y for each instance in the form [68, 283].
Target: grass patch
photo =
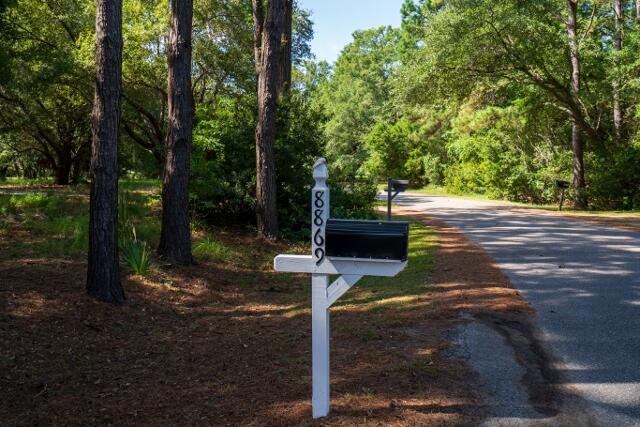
[57, 222]
[381, 293]
[14, 181]
[140, 185]
[209, 249]
[437, 190]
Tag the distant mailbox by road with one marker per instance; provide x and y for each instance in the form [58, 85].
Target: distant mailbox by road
[394, 187]
[367, 239]
[398, 185]
[562, 185]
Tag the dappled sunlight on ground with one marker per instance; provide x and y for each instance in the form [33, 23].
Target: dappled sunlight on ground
[221, 342]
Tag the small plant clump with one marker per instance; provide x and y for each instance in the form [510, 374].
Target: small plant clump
[210, 249]
[135, 252]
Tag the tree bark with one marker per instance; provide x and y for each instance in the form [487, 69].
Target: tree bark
[258, 27]
[103, 273]
[64, 162]
[175, 236]
[619, 37]
[63, 172]
[268, 71]
[638, 12]
[577, 144]
[284, 75]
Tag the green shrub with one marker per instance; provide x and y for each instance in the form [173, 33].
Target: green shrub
[134, 251]
[137, 255]
[222, 187]
[210, 250]
[614, 181]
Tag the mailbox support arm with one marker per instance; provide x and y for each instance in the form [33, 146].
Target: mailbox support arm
[340, 286]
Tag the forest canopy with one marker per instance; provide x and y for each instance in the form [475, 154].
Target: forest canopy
[493, 97]
[478, 97]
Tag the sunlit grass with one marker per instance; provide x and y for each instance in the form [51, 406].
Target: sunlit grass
[386, 292]
[437, 190]
[144, 185]
[209, 249]
[58, 221]
[13, 181]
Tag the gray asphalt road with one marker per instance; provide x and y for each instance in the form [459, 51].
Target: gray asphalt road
[584, 282]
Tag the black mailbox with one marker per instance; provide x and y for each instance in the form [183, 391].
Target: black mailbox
[367, 239]
[398, 185]
[562, 184]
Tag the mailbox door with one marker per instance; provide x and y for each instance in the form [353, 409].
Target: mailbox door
[367, 239]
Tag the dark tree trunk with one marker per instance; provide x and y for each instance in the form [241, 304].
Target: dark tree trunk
[64, 162]
[103, 274]
[175, 237]
[576, 140]
[268, 71]
[284, 77]
[76, 171]
[618, 8]
[258, 26]
[63, 173]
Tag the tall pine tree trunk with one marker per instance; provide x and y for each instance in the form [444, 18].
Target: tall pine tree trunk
[103, 274]
[258, 27]
[619, 37]
[175, 236]
[576, 140]
[284, 75]
[268, 71]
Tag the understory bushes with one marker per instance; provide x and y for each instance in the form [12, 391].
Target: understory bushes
[615, 179]
[223, 168]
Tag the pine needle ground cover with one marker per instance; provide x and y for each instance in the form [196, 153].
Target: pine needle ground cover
[227, 341]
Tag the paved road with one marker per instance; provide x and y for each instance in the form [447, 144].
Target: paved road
[584, 282]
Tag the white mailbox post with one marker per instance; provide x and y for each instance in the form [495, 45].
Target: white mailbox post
[323, 295]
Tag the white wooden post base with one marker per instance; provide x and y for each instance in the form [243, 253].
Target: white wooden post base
[320, 345]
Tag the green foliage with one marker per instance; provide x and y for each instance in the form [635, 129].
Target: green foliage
[353, 200]
[357, 97]
[223, 163]
[223, 170]
[476, 96]
[137, 255]
[57, 223]
[615, 184]
[388, 147]
[209, 249]
[134, 251]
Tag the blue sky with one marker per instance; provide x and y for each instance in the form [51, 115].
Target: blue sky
[335, 21]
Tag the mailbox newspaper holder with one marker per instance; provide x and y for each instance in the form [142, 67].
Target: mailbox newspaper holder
[347, 248]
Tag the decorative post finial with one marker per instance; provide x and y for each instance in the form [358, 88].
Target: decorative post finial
[320, 170]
